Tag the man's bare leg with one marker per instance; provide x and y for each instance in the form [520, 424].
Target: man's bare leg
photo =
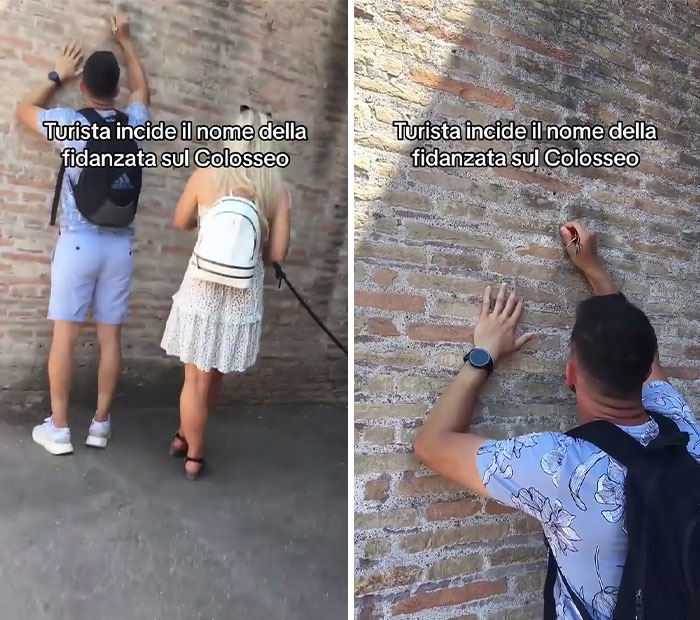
[110, 340]
[65, 337]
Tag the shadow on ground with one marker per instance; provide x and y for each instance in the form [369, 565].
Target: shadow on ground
[120, 534]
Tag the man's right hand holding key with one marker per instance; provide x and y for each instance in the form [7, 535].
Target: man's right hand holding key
[586, 258]
[582, 248]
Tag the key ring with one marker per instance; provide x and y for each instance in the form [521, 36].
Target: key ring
[576, 240]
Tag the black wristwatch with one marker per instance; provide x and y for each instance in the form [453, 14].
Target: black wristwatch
[480, 358]
[54, 77]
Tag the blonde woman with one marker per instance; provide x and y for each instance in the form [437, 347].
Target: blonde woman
[214, 328]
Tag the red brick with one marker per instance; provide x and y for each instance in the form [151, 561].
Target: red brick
[450, 596]
[38, 61]
[660, 249]
[390, 301]
[28, 258]
[16, 42]
[472, 43]
[175, 249]
[536, 46]
[381, 326]
[667, 173]
[494, 508]
[22, 181]
[550, 183]
[683, 372]
[693, 352]
[426, 485]
[440, 333]
[383, 277]
[539, 251]
[399, 576]
[464, 90]
[377, 490]
[453, 510]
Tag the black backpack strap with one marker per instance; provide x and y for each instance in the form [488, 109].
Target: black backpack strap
[93, 116]
[121, 117]
[550, 610]
[610, 439]
[666, 425]
[57, 194]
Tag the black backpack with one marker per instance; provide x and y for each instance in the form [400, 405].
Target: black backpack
[661, 576]
[105, 196]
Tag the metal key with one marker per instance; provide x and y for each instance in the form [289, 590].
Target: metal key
[576, 240]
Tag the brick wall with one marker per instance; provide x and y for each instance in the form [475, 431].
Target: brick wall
[203, 59]
[427, 242]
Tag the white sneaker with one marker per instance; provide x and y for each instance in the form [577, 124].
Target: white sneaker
[99, 433]
[54, 440]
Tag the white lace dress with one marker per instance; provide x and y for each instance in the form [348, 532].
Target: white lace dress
[216, 326]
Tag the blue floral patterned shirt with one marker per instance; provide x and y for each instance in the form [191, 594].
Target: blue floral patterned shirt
[577, 493]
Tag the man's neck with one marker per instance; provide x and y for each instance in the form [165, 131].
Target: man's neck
[100, 104]
[622, 412]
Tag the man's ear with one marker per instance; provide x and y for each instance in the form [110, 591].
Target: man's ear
[116, 92]
[81, 85]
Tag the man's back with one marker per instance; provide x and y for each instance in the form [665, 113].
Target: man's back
[71, 218]
[577, 493]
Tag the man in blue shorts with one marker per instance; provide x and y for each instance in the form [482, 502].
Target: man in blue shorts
[91, 265]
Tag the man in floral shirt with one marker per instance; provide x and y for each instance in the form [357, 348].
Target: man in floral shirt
[571, 487]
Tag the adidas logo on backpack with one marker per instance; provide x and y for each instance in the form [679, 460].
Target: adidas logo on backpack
[228, 246]
[123, 182]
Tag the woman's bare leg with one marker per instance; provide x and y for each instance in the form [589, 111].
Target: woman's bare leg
[212, 398]
[214, 389]
[194, 410]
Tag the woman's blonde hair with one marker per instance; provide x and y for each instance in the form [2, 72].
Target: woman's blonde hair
[264, 183]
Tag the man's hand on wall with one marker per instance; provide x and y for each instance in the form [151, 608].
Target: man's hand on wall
[68, 64]
[120, 28]
[495, 329]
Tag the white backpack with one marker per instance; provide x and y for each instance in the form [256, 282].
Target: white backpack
[228, 246]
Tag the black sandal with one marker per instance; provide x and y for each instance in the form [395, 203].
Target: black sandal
[178, 452]
[194, 475]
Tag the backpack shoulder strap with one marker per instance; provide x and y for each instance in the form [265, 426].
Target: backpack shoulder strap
[611, 440]
[93, 116]
[121, 117]
[666, 425]
[57, 194]
[550, 610]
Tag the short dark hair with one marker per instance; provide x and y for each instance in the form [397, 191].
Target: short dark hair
[614, 343]
[101, 74]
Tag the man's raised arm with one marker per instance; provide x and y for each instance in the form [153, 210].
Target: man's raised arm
[444, 442]
[35, 102]
[591, 265]
[140, 92]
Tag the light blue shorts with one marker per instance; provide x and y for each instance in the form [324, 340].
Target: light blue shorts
[91, 268]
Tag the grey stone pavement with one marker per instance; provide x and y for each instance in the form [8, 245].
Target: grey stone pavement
[120, 534]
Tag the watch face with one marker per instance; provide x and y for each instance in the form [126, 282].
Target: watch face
[479, 358]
